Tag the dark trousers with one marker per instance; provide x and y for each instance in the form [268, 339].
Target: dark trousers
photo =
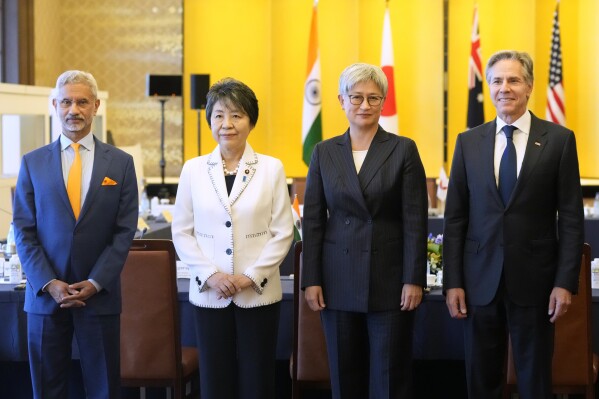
[370, 354]
[98, 338]
[238, 348]
[485, 344]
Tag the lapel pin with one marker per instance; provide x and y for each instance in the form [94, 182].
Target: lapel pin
[244, 177]
[537, 143]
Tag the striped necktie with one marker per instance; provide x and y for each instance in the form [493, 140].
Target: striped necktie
[508, 166]
[74, 182]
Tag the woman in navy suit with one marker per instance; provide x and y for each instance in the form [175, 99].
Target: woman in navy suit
[365, 222]
[233, 226]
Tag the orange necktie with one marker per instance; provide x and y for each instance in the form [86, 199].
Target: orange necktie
[74, 182]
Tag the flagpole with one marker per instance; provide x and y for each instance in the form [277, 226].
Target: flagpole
[389, 119]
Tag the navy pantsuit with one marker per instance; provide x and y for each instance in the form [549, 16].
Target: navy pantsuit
[364, 238]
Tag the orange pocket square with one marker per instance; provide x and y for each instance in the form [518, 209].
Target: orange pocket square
[108, 182]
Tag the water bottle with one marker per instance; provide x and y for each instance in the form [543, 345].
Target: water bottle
[596, 206]
[440, 278]
[16, 275]
[6, 269]
[10, 242]
[595, 273]
[155, 209]
[144, 205]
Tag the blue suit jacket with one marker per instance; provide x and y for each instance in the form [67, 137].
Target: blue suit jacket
[535, 241]
[365, 233]
[52, 245]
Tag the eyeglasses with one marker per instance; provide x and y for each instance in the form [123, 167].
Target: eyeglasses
[67, 103]
[372, 100]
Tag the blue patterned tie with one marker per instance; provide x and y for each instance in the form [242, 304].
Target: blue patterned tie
[507, 167]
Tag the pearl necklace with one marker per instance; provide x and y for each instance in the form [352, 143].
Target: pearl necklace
[230, 173]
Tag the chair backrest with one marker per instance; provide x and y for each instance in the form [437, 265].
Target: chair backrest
[573, 349]
[309, 348]
[150, 326]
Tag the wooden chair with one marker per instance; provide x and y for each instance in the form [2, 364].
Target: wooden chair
[151, 352]
[309, 365]
[574, 365]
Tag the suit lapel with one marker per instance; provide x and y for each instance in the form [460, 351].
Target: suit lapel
[55, 161]
[537, 140]
[217, 177]
[378, 153]
[102, 159]
[247, 169]
[487, 153]
[343, 160]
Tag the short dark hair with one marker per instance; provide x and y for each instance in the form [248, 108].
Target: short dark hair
[232, 93]
[523, 58]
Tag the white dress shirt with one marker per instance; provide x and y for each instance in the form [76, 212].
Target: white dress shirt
[520, 139]
[67, 156]
[359, 157]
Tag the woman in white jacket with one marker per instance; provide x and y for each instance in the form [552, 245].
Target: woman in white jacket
[233, 226]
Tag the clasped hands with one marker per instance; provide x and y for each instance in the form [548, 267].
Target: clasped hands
[227, 285]
[71, 295]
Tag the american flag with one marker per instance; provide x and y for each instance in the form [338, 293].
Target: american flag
[556, 106]
[476, 113]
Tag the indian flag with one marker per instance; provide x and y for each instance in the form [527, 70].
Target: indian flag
[312, 109]
[389, 120]
[297, 220]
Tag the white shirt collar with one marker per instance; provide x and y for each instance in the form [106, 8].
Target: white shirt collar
[522, 123]
[87, 142]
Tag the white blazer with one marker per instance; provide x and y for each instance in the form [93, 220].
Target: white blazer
[248, 232]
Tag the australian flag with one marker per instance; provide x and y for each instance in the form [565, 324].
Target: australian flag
[476, 113]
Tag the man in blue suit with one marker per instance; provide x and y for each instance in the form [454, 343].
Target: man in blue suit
[73, 246]
[514, 229]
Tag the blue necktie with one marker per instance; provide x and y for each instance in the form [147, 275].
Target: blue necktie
[507, 167]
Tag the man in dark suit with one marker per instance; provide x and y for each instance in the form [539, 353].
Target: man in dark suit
[364, 251]
[75, 214]
[514, 228]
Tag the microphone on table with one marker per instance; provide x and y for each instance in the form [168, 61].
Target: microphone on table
[143, 231]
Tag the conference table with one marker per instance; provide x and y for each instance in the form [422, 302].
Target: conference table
[161, 229]
[591, 231]
[437, 341]
[436, 338]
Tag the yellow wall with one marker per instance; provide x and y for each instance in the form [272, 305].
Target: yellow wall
[264, 43]
[526, 25]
